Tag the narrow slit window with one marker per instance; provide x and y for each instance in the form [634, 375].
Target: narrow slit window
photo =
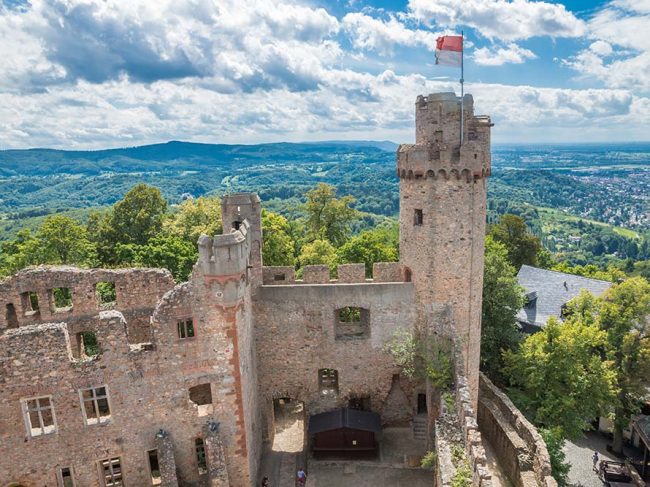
[112, 472]
[186, 328]
[201, 462]
[39, 416]
[66, 479]
[95, 405]
[154, 467]
[328, 382]
[10, 316]
[106, 296]
[418, 217]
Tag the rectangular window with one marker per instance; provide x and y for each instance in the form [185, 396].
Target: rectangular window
[94, 404]
[105, 292]
[88, 346]
[29, 301]
[186, 328]
[201, 462]
[154, 467]
[279, 277]
[112, 472]
[61, 299]
[39, 416]
[66, 478]
[418, 218]
[328, 382]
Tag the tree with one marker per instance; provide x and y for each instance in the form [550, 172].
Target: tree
[278, 247]
[328, 217]
[195, 217]
[555, 444]
[502, 300]
[564, 380]
[62, 240]
[318, 252]
[138, 216]
[522, 246]
[368, 247]
[623, 317]
[167, 251]
[18, 253]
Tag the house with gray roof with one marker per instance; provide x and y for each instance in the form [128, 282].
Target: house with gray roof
[548, 291]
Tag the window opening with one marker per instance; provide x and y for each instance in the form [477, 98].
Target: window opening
[418, 218]
[186, 328]
[201, 462]
[201, 396]
[39, 416]
[10, 316]
[328, 382]
[154, 467]
[88, 345]
[62, 299]
[279, 277]
[106, 295]
[67, 479]
[95, 405]
[112, 472]
[352, 323]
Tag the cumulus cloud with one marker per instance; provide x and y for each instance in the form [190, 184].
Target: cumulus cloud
[511, 54]
[375, 34]
[241, 44]
[501, 19]
[620, 54]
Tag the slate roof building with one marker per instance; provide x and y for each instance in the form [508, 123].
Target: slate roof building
[548, 291]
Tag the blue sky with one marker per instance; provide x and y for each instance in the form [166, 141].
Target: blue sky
[109, 73]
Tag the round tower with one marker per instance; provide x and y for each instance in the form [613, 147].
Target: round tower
[442, 218]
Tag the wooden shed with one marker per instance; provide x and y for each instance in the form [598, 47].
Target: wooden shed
[345, 432]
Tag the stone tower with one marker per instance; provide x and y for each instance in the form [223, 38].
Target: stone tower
[442, 218]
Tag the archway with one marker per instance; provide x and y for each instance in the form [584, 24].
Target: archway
[288, 425]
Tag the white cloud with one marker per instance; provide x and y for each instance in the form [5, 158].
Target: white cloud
[511, 54]
[500, 19]
[375, 34]
[620, 54]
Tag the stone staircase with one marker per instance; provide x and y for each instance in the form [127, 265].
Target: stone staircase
[419, 425]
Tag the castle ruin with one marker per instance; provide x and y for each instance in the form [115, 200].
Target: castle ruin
[94, 389]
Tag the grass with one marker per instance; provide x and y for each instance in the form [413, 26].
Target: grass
[551, 216]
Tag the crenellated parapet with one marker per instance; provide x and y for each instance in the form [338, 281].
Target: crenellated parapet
[382, 272]
[227, 254]
[438, 152]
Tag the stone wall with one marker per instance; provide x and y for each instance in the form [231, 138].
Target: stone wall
[137, 292]
[521, 450]
[296, 336]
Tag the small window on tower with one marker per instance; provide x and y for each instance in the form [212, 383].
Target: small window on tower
[418, 218]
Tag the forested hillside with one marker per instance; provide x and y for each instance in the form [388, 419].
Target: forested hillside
[588, 203]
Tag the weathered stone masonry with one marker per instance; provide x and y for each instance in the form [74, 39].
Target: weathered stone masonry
[187, 373]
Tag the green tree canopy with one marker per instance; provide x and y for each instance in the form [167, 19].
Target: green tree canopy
[624, 311]
[195, 217]
[318, 252]
[62, 240]
[502, 300]
[368, 247]
[522, 246]
[328, 217]
[278, 247]
[138, 216]
[562, 375]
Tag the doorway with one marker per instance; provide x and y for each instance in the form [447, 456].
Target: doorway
[422, 403]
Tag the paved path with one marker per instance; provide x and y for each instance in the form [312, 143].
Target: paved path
[579, 454]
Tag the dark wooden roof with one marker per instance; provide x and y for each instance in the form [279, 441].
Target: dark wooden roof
[345, 418]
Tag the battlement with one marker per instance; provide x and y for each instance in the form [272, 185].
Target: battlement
[438, 152]
[347, 274]
[227, 254]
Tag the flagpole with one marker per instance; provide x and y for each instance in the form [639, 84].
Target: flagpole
[462, 81]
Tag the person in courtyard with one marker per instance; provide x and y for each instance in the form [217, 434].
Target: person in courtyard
[595, 460]
[302, 476]
[265, 482]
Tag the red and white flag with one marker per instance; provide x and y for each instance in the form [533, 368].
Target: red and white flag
[449, 50]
